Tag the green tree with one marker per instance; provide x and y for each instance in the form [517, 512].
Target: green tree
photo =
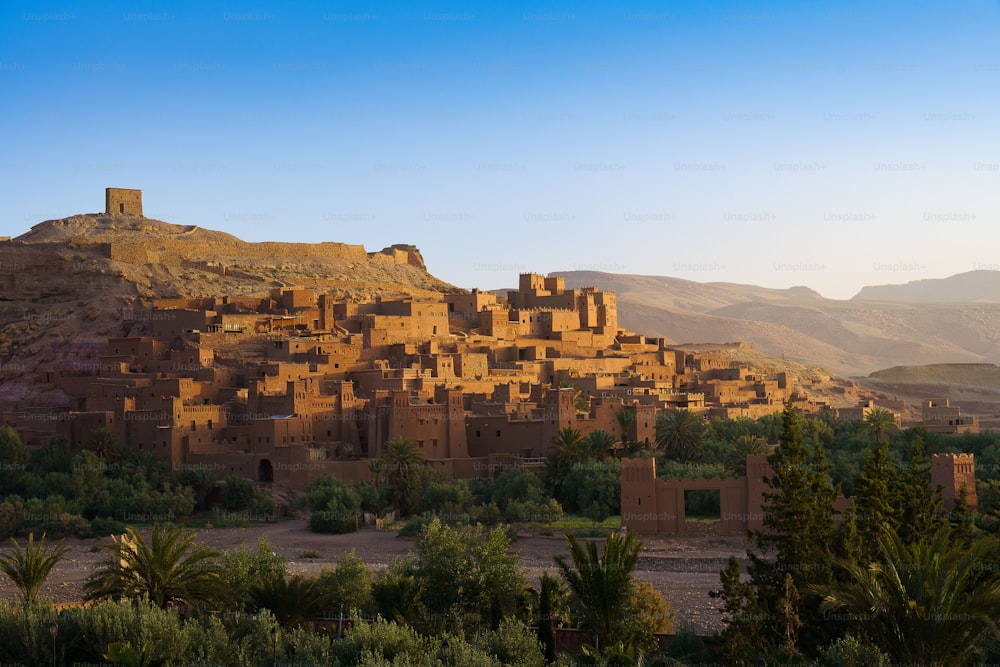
[601, 584]
[293, 600]
[334, 507]
[742, 447]
[13, 459]
[29, 568]
[347, 587]
[567, 448]
[742, 639]
[402, 468]
[877, 497]
[239, 493]
[200, 481]
[625, 418]
[927, 603]
[920, 505]
[581, 401]
[602, 443]
[169, 568]
[680, 434]
[467, 575]
[241, 568]
[879, 422]
[797, 537]
[548, 594]
[398, 595]
[102, 443]
[594, 483]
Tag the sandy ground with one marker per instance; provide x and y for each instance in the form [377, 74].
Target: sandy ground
[684, 570]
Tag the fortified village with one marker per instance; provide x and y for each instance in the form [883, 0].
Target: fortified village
[287, 385]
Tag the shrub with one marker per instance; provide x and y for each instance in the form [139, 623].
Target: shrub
[342, 513]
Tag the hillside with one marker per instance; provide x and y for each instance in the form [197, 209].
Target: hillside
[851, 337]
[67, 285]
[974, 387]
[970, 287]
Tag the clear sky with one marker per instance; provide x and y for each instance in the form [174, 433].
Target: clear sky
[828, 144]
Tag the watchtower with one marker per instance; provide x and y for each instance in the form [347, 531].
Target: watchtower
[119, 201]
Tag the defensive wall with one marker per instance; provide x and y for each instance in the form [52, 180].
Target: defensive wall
[651, 506]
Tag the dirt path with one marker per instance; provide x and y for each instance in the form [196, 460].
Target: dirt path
[684, 570]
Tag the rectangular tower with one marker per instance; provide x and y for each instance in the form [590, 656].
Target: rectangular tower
[119, 201]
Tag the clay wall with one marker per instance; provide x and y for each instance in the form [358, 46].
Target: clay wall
[176, 251]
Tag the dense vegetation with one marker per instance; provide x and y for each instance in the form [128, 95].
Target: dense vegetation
[897, 578]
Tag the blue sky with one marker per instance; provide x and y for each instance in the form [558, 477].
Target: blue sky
[824, 144]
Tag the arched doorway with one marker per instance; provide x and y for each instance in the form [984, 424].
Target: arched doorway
[265, 471]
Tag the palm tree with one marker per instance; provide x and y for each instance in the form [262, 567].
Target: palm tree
[879, 422]
[376, 466]
[169, 569]
[602, 585]
[292, 600]
[736, 458]
[568, 447]
[102, 443]
[625, 419]
[30, 567]
[601, 444]
[681, 434]
[928, 603]
[403, 462]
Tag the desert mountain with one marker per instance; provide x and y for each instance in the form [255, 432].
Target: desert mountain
[970, 287]
[67, 285]
[850, 337]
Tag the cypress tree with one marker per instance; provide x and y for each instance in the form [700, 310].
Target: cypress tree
[920, 513]
[797, 537]
[877, 499]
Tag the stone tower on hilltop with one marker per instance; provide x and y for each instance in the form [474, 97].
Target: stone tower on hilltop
[119, 201]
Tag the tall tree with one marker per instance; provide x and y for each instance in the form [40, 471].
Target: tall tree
[548, 591]
[742, 639]
[920, 505]
[680, 434]
[568, 447]
[14, 457]
[29, 567]
[170, 568]
[625, 419]
[877, 497]
[602, 584]
[926, 603]
[798, 533]
[402, 470]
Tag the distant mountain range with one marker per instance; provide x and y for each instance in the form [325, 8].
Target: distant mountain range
[970, 287]
[952, 320]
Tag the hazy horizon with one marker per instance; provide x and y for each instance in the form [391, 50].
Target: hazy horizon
[826, 146]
